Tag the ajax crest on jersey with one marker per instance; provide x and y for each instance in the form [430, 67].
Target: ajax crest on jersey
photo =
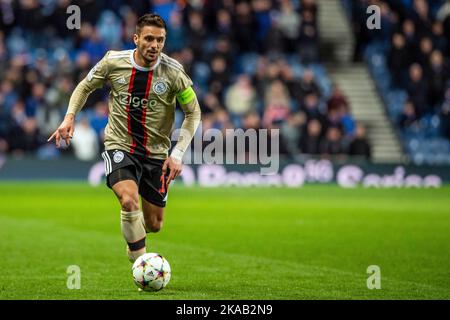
[160, 87]
[118, 156]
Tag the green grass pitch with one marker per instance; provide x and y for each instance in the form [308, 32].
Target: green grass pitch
[315, 242]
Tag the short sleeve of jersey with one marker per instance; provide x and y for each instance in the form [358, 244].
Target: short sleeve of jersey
[182, 82]
[98, 75]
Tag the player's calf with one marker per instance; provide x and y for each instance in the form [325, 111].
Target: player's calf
[131, 218]
[134, 232]
[153, 216]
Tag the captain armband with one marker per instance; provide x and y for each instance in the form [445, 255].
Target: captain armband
[186, 96]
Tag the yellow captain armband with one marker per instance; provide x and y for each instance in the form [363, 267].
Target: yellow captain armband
[186, 96]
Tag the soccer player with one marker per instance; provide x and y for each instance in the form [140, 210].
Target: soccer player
[145, 84]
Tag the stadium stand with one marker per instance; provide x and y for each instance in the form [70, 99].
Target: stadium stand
[255, 64]
[336, 45]
[409, 60]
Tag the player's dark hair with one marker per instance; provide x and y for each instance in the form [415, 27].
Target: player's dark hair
[150, 19]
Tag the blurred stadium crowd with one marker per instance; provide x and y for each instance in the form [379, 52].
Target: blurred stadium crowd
[409, 59]
[255, 64]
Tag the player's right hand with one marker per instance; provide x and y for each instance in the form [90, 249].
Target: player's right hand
[64, 131]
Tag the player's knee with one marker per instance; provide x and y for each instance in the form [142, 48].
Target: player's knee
[129, 202]
[155, 225]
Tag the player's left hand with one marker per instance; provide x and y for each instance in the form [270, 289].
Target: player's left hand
[175, 166]
[64, 131]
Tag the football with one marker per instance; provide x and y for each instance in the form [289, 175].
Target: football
[151, 272]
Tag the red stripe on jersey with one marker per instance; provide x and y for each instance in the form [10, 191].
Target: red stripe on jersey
[144, 112]
[130, 90]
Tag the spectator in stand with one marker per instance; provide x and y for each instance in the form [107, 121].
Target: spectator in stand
[438, 76]
[360, 146]
[224, 25]
[277, 104]
[186, 58]
[438, 37]
[332, 119]
[286, 74]
[444, 114]
[444, 11]
[219, 77]
[24, 135]
[4, 147]
[266, 72]
[36, 101]
[5, 121]
[246, 27]
[251, 121]
[59, 18]
[409, 31]
[332, 144]
[164, 8]
[387, 20]
[197, 34]
[443, 16]
[310, 141]
[90, 9]
[99, 119]
[308, 85]
[210, 104]
[309, 5]
[85, 143]
[57, 97]
[362, 34]
[223, 48]
[347, 122]
[240, 99]
[82, 66]
[336, 99]
[399, 59]
[289, 25]
[8, 96]
[290, 132]
[425, 49]
[92, 43]
[129, 28]
[109, 30]
[417, 89]
[309, 37]
[81, 69]
[176, 36]
[222, 120]
[408, 117]
[30, 17]
[311, 108]
[421, 17]
[262, 13]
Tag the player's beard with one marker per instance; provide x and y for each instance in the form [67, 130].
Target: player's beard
[147, 58]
